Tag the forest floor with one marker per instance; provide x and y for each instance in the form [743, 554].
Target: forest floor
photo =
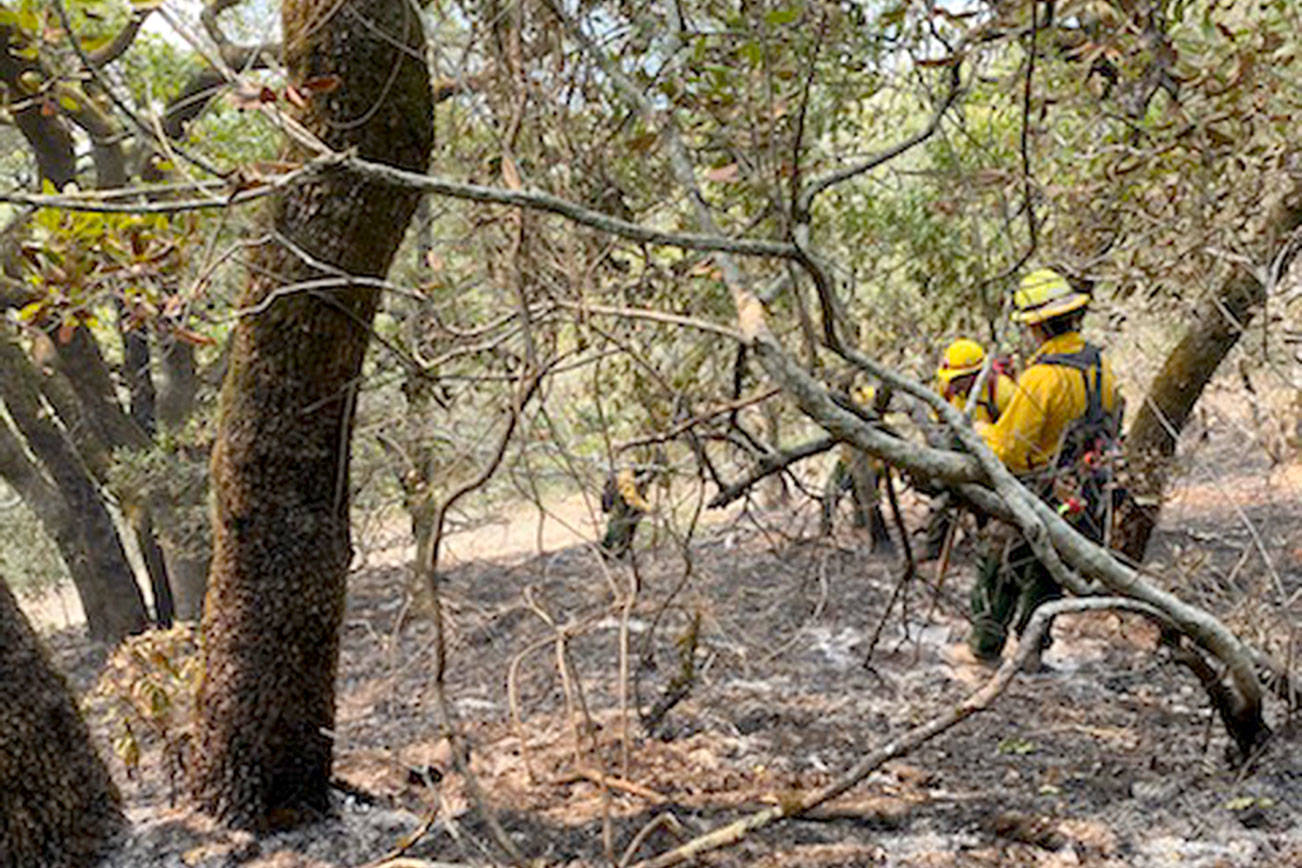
[1109, 758]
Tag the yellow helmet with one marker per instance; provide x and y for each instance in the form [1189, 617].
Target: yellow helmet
[964, 356]
[1045, 294]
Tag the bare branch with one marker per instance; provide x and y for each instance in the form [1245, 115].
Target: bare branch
[108, 53]
[107, 87]
[770, 464]
[819, 185]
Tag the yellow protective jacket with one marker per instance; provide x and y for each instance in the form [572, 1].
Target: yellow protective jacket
[1047, 399]
[1003, 389]
[626, 484]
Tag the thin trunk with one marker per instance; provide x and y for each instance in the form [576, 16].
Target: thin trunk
[94, 410]
[140, 380]
[58, 805]
[114, 606]
[46, 133]
[1215, 329]
[58, 521]
[280, 462]
[178, 384]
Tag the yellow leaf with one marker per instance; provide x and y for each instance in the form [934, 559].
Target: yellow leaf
[30, 312]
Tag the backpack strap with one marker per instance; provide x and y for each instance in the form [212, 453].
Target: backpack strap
[1087, 360]
[989, 402]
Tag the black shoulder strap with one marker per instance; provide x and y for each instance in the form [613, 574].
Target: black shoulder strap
[1087, 360]
[990, 399]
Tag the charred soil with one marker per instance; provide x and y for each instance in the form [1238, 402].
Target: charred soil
[751, 645]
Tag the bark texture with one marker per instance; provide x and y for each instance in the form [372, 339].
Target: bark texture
[280, 463]
[58, 805]
[1214, 330]
[107, 585]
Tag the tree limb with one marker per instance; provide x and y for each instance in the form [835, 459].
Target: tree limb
[768, 465]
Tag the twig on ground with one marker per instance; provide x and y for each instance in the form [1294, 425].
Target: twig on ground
[614, 783]
[666, 820]
[409, 841]
[726, 836]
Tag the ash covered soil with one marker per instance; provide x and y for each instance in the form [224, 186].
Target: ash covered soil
[1110, 758]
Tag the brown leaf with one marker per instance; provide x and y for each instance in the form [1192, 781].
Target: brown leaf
[510, 176]
[66, 331]
[723, 174]
[266, 94]
[643, 143]
[322, 83]
[192, 337]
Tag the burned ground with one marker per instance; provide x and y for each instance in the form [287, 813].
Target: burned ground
[1110, 758]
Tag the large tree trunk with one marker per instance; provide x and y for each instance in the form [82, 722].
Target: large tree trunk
[58, 805]
[1215, 329]
[114, 605]
[280, 461]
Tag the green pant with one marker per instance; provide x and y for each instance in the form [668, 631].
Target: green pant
[857, 473]
[942, 517]
[620, 528]
[1010, 585]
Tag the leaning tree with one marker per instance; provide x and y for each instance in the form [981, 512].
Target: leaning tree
[58, 805]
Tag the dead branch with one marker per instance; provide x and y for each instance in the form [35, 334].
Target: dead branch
[769, 464]
[980, 700]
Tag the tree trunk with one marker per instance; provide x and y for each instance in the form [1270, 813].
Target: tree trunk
[58, 805]
[58, 521]
[178, 384]
[46, 133]
[114, 605]
[1215, 329]
[85, 397]
[280, 462]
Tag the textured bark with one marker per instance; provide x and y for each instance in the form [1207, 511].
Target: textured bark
[280, 462]
[1215, 329]
[58, 805]
[140, 381]
[112, 601]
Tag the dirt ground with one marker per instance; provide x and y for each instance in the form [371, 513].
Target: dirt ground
[1109, 758]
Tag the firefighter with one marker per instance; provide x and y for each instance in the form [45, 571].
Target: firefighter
[960, 367]
[1065, 409]
[623, 498]
[863, 476]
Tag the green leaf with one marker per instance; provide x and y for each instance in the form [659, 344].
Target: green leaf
[1016, 745]
[778, 17]
[68, 103]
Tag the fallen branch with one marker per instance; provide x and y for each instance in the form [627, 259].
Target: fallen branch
[615, 783]
[980, 700]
